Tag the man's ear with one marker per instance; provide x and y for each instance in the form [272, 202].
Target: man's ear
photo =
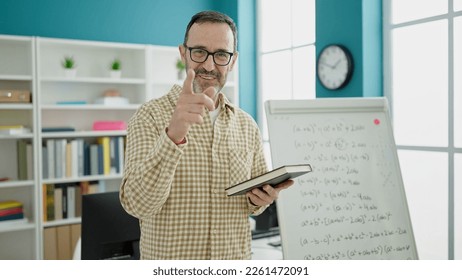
[182, 50]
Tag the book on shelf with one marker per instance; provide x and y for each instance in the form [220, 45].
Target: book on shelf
[106, 155]
[21, 153]
[58, 203]
[11, 210]
[58, 129]
[63, 201]
[12, 217]
[8, 204]
[50, 147]
[273, 178]
[109, 125]
[71, 102]
[14, 130]
[73, 158]
[49, 206]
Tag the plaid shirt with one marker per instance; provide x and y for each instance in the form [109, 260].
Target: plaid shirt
[178, 192]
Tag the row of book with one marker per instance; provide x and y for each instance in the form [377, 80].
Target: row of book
[64, 201]
[11, 210]
[71, 158]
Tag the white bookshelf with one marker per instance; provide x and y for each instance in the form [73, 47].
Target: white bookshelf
[92, 79]
[18, 239]
[34, 63]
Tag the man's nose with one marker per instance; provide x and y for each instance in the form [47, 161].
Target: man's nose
[209, 64]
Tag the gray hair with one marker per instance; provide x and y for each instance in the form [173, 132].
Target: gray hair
[214, 17]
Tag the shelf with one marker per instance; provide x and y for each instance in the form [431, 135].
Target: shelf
[63, 222]
[84, 134]
[103, 80]
[16, 106]
[90, 107]
[17, 136]
[26, 78]
[12, 226]
[82, 178]
[16, 184]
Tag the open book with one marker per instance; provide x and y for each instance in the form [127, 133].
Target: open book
[273, 177]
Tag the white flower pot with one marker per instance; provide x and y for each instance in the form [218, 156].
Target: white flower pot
[70, 73]
[116, 74]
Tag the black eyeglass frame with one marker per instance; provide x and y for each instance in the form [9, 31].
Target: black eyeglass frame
[208, 54]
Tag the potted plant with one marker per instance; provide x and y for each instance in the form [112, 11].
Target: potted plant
[116, 68]
[180, 67]
[69, 66]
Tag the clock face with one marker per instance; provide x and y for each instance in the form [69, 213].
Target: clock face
[335, 66]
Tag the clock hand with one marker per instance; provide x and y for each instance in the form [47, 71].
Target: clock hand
[336, 63]
[328, 65]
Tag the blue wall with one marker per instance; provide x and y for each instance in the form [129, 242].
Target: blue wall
[157, 22]
[353, 23]
[356, 24]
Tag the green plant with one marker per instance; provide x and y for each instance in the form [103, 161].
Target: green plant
[68, 62]
[116, 64]
[180, 65]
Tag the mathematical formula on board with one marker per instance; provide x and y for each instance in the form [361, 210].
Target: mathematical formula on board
[352, 206]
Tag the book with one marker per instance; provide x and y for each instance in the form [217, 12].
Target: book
[58, 129]
[8, 204]
[109, 125]
[10, 211]
[21, 150]
[106, 154]
[50, 202]
[71, 102]
[12, 217]
[273, 177]
[50, 144]
[13, 129]
[58, 203]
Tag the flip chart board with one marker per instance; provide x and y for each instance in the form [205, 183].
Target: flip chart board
[353, 204]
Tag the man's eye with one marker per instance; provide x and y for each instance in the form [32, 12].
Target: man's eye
[199, 52]
[222, 55]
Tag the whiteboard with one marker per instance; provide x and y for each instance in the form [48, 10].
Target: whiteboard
[353, 204]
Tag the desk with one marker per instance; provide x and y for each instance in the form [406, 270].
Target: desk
[261, 250]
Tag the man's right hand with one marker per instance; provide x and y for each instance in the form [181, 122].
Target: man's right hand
[190, 109]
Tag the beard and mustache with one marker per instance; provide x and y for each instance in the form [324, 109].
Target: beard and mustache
[200, 85]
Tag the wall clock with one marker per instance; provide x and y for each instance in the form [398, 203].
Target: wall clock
[334, 67]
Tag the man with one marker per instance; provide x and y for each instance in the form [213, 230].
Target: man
[186, 147]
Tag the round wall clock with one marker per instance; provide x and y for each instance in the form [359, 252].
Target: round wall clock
[334, 67]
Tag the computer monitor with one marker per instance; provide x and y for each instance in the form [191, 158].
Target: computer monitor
[266, 224]
[108, 232]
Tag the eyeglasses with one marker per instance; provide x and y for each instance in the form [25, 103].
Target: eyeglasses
[220, 58]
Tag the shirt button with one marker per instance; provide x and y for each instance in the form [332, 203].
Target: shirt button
[214, 232]
[215, 191]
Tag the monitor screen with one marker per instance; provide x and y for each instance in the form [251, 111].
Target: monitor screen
[266, 224]
[108, 232]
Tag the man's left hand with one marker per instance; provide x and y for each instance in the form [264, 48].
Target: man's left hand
[267, 194]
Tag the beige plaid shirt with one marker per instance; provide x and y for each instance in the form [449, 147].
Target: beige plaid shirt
[178, 192]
